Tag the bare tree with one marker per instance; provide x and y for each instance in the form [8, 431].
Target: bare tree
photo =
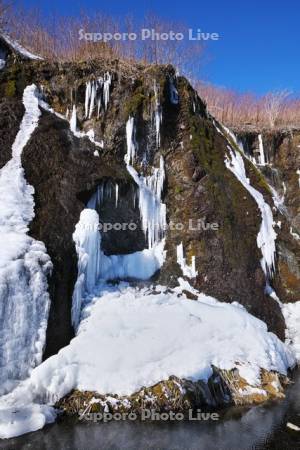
[4, 8]
[273, 105]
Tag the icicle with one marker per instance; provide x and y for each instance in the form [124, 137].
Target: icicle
[92, 99]
[73, 121]
[117, 194]
[298, 173]
[262, 160]
[157, 115]
[88, 91]
[153, 212]
[98, 107]
[88, 246]
[106, 87]
[130, 155]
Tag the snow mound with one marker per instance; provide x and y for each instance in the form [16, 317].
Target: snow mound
[130, 338]
[291, 312]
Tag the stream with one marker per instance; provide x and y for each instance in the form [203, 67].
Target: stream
[260, 427]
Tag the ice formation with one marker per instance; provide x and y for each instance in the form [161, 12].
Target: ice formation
[24, 263]
[97, 93]
[73, 120]
[157, 114]
[188, 271]
[298, 173]
[152, 210]
[130, 139]
[117, 195]
[95, 267]
[131, 338]
[262, 159]
[266, 237]
[291, 313]
[129, 335]
[106, 88]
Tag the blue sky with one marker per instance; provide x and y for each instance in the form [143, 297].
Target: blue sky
[259, 46]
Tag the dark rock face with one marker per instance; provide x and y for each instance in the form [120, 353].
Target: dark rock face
[65, 173]
[61, 168]
[11, 113]
[283, 160]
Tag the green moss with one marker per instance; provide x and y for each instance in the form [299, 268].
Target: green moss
[10, 88]
[260, 180]
[178, 189]
[135, 102]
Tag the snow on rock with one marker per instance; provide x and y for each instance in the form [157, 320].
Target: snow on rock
[24, 263]
[136, 338]
[291, 312]
[266, 237]
[188, 271]
[73, 123]
[18, 47]
[294, 234]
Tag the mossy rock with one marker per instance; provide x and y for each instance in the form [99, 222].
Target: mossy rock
[10, 88]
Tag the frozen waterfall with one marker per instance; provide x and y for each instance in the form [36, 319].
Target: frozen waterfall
[24, 264]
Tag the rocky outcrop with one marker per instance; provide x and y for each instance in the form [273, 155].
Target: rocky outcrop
[65, 171]
[281, 170]
[223, 388]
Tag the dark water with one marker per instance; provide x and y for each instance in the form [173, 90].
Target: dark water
[259, 427]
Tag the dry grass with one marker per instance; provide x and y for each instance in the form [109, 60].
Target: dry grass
[57, 38]
[275, 109]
